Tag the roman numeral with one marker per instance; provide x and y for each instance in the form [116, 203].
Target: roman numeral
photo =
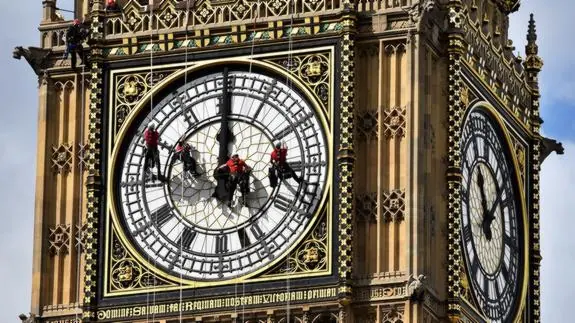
[269, 90]
[505, 271]
[244, 239]
[508, 241]
[187, 112]
[497, 288]
[256, 231]
[282, 203]
[486, 149]
[291, 127]
[222, 244]
[187, 237]
[475, 146]
[475, 266]
[467, 234]
[162, 215]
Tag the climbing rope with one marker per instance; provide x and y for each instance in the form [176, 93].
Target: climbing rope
[291, 10]
[79, 234]
[151, 78]
[183, 166]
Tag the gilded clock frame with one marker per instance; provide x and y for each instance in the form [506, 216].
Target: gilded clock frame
[178, 70]
[519, 184]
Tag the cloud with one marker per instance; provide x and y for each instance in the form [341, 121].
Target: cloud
[557, 243]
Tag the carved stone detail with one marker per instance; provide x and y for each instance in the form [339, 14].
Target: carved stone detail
[416, 286]
[80, 237]
[62, 157]
[367, 123]
[393, 203]
[366, 206]
[392, 314]
[394, 122]
[82, 157]
[519, 150]
[59, 239]
[36, 57]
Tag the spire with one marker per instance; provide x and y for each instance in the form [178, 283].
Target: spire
[533, 63]
[531, 48]
[49, 10]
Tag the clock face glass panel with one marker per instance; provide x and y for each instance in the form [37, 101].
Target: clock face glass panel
[177, 223]
[490, 219]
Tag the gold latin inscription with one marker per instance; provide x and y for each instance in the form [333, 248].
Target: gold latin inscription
[210, 304]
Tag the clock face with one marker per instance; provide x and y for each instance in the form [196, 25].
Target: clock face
[178, 222]
[490, 219]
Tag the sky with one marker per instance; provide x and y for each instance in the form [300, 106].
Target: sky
[18, 121]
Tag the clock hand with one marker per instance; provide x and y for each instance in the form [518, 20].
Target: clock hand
[225, 136]
[486, 224]
[495, 203]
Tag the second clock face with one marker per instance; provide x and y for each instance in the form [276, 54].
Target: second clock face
[177, 223]
[490, 219]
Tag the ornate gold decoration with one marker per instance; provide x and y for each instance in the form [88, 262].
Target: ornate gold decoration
[394, 122]
[131, 89]
[126, 273]
[172, 13]
[392, 314]
[366, 206]
[520, 155]
[346, 154]
[456, 48]
[464, 283]
[62, 158]
[313, 70]
[367, 123]
[501, 74]
[508, 6]
[393, 203]
[311, 256]
[464, 95]
[59, 239]
[93, 180]
[535, 263]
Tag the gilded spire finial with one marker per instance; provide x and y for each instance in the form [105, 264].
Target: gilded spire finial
[531, 48]
[533, 63]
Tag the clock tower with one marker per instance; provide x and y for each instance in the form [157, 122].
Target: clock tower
[286, 161]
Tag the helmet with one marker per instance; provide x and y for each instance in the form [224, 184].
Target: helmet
[235, 155]
[76, 21]
[278, 144]
[151, 126]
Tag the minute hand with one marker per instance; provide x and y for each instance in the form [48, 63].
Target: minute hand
[225, 135]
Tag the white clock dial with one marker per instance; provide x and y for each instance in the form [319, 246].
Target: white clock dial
[490, 219]
[178, 223]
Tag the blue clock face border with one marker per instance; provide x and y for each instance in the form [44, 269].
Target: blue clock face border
[301, 207]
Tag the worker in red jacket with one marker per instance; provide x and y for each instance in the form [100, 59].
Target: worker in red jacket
[238, 172]
[112, 5]
[280, 168]
[152, 156]
[184, 154]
